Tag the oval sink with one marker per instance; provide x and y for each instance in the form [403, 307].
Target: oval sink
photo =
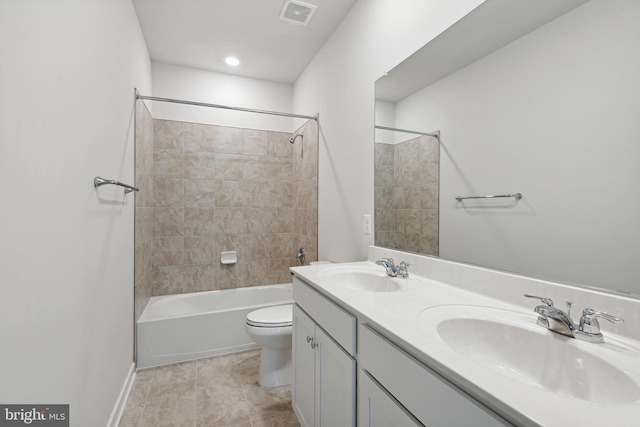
[512, 344]
[370, 279]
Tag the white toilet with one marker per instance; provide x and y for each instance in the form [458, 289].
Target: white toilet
[271, 327]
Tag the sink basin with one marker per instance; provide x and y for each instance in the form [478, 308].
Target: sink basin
[362, 278]
[512, 344]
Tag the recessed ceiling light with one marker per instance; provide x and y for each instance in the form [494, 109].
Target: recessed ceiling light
[232, 60]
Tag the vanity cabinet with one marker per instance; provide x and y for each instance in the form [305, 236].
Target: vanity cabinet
[324, 368]
[432, 400]
[377, 408]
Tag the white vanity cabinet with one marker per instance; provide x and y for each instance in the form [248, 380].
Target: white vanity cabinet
[324, 368]
[377, 408]
[432, 400]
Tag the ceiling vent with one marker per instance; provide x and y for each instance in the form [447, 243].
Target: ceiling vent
[297, 12]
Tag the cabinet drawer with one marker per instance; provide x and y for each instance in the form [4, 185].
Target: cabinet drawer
[431, 399]
[337, 322]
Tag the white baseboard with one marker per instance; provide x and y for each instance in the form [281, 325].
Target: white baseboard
[118, 409]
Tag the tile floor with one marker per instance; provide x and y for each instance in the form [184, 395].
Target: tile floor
[219, 391]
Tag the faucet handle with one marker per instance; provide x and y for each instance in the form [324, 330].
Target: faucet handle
[589, 319]
[589, 327]
[403, 269]
[545, 300]
[389, 260]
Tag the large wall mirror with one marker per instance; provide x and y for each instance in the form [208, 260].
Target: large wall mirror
[538, 97]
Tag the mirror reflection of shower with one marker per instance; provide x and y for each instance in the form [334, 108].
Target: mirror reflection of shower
[293, 139]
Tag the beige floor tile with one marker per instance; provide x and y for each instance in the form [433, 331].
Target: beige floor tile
[285, 419]
[172, 413]
[219, 391]
[222, 413]
[176, 373]
[266, 402]
[166, 393]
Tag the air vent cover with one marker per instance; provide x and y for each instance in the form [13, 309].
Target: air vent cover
[297, 12]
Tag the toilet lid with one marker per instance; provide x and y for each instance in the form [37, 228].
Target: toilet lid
[276, 316]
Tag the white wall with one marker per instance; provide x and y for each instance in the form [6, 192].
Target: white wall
[375, 36]
[190, 84]
[554, 115]
[67, 76]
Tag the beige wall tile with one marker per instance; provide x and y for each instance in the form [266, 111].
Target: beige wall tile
[168, 192]
[218, 188]
[279, 220]
[227, 139]
[279, 145]
[255, 142]
[229, 167]
[257, 220]
[256, 246]
[255, 168]
[171, 279]
[199, 250]
[229, 220]
[144, 182]
[168, 163]
[229, 194]
[280, 169]
[143, 225]
[198, 137]
[168, 134]
[167, 251]
[200, 165]
[202, 277]
[281, 246]
[199, 222]
[201, 194]
[168, 221]
[256, 194]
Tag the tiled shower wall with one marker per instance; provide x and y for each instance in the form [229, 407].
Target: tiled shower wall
[144, 207]
[221, 189]
[406, 195]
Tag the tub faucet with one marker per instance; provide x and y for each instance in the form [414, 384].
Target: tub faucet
[302, 254]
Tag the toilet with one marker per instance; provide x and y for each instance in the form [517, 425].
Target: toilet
[271, 327]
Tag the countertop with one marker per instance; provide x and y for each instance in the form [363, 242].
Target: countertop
[395, 315]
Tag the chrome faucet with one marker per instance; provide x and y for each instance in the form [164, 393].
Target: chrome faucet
[556, 320]
[401, 270]
[388, 265]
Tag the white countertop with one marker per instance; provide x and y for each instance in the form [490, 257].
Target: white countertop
[395, 315]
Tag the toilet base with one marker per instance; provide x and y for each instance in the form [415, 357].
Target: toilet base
[275, 367]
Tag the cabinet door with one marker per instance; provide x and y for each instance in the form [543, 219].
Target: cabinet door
[377, 409]
[304, 361]
[336, 376]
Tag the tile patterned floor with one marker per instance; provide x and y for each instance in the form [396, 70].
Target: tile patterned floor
[220, 391]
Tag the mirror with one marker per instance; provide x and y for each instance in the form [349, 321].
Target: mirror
[539, 97]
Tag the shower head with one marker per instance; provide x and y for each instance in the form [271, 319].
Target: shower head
[293, 138]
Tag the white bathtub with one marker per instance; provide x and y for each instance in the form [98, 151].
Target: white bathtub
[176, 328]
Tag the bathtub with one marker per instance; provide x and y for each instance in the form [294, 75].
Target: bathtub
[177, 328]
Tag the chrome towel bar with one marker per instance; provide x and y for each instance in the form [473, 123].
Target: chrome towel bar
[517, 196]
[97, 182]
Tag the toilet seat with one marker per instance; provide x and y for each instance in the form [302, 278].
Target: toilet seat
[277, 316]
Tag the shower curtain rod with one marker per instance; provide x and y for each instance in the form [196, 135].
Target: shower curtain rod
[225, 107]
[435, 134]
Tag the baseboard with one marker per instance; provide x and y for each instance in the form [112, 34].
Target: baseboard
[118, 409]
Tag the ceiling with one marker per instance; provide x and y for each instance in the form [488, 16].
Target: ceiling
[201, 33]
